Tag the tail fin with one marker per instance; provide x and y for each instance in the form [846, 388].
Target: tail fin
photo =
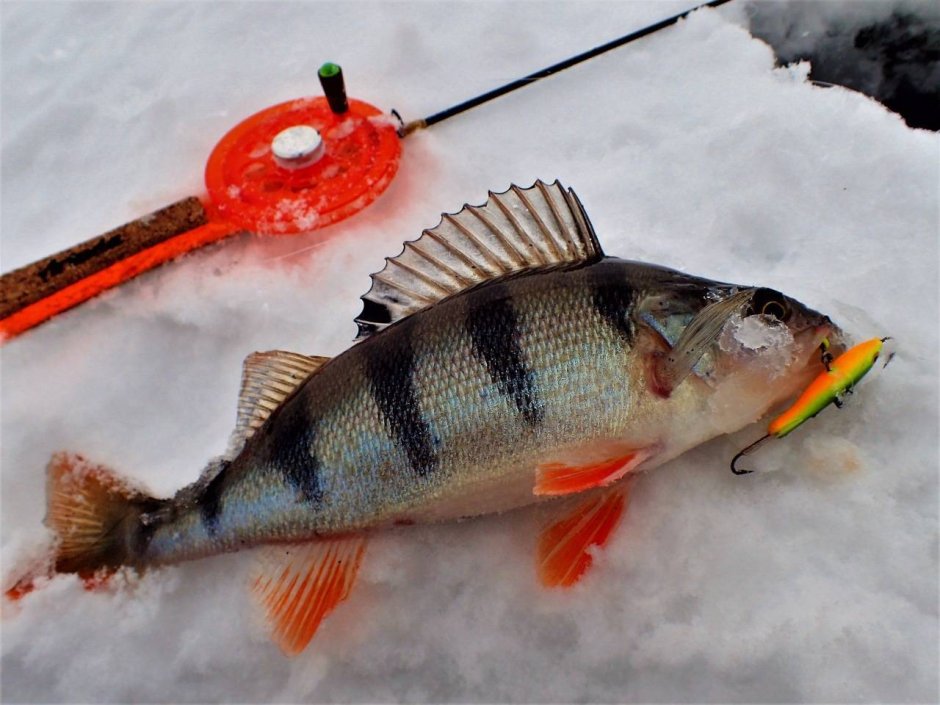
[94, 514]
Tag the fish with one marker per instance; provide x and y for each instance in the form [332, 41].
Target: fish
[502, 360]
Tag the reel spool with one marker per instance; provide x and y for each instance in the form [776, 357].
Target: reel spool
[304, 164]
[272, 176]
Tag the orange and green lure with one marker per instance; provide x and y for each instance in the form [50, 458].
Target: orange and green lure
[840, 376]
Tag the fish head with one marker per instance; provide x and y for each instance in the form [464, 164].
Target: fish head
[752, 348]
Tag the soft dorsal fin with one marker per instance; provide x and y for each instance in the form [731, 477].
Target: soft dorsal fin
[268, 378]
[521, 229]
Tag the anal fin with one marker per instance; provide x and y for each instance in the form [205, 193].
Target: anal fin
[563, 478]
[564, 546]
[299, 584]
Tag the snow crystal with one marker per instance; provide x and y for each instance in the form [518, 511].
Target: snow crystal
[383, 121]
[297, 212]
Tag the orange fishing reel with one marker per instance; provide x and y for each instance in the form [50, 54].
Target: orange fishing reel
[291, 168]
[303, 164]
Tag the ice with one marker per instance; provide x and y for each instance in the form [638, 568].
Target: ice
[813, 580]
[754, 333]
[759, 334]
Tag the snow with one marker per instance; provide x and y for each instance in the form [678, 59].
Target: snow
[754, 333]
[814, 579]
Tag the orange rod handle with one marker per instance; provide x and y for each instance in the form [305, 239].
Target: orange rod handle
[36, 281]
[27, 298]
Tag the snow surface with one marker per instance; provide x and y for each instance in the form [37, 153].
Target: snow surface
[814, 580]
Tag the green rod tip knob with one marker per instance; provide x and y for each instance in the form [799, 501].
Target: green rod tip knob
[329, 69]
[334, 88]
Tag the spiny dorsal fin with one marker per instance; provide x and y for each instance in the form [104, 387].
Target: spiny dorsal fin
[268, 378]
[520, 229]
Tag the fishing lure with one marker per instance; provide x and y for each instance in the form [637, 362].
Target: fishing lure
[838, 379]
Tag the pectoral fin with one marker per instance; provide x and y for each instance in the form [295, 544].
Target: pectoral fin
[564, 478]
[300, 584]
[702, 331]
[564, 546]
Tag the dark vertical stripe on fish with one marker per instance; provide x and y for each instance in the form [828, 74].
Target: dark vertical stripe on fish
[390, 369]
[143, 537]
[613, 302]
[151, 519]
[494, 332]
[292, 450]
[210, 502]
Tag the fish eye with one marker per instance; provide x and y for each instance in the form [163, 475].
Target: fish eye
[773, 308]
[769, 302]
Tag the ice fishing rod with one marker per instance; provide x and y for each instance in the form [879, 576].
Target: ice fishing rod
[291, 168]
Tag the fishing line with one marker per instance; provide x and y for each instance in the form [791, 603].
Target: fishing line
[407, 128]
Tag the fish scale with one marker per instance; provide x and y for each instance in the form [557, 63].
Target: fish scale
[469, 393]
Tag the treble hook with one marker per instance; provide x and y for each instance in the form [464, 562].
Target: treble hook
[824, 355]
[891, 354]
[754, 446]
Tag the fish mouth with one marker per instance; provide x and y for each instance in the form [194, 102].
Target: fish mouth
[819, 335]
[806, 323]
[831, 335]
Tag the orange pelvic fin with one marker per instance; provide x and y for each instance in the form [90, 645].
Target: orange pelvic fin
[299, 584]
[563, 551]
[561, 478]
